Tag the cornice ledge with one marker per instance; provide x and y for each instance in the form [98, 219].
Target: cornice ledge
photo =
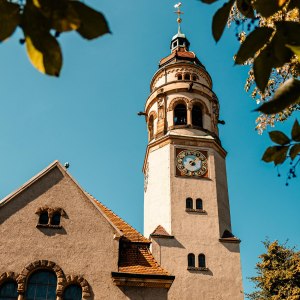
[142, 280]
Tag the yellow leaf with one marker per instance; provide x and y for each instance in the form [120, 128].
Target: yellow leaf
[296, 50]
[44, 53]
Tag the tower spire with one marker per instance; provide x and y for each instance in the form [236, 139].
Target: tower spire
[179, 13]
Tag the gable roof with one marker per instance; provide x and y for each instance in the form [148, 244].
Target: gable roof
[129, 233]
[135, 258]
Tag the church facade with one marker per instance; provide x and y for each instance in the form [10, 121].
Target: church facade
[57, 242]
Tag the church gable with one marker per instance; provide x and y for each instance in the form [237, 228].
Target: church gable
[51, 223]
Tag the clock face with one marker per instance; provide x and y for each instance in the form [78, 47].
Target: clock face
[191, 163]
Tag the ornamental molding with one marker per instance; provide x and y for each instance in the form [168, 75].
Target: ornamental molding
[7, 276]
[80, 281]
[202, 104]
[38, 265]
[153, 114]
[178, 100]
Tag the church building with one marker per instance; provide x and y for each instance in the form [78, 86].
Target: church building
[57, 242]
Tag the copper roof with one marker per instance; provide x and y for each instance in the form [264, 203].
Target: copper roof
[131, 234]
[181, 55]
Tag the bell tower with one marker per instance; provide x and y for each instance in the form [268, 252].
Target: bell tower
[186, 205]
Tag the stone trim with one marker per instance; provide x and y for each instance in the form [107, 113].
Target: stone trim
[197, 211]
[202, 104]
[37, 265]
[80, 281]
[142, 280]
[7, 276]
[152, 113]
[198, 269]
[178, 100]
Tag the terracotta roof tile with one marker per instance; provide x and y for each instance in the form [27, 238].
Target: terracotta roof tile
[160, 231]
[137, 259]
[129, 232]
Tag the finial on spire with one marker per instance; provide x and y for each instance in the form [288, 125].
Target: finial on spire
[179, 13]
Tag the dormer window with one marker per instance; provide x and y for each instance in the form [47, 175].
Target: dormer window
[49, 217]
[55, 220]
[175, 44]
[44, 218]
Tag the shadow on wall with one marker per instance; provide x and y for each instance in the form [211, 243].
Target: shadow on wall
[232, 247]
[170, 242]
[34, 191]
[137, 293]
[52, 232]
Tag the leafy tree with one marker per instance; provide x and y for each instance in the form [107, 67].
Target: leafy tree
[271, 47]
[42, 21]
[278, 274]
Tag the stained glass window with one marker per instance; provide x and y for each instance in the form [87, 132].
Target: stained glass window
[8, 291]
[73, 292]
[41, 286]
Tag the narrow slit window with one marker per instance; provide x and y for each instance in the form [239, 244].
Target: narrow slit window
[55, 219]
[151, 128]
[201, 261]
[189, 203]
[191, 260]
[44, 218]
[197, 116]
[199, 204]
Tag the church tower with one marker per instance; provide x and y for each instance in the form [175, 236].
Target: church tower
[186, 205]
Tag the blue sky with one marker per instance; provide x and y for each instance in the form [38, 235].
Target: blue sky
[88, 118]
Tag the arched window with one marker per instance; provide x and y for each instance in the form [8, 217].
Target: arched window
[180, 114]
[41, 285]
[55, 220]
[191, 260]
[179, 77]
[189, 203]
[8, 291]
[44, 218]
[199, 203]
[72, 292]
[151, 128]
[197, 116]
[187, 76]
[194, 78]
[201, 261]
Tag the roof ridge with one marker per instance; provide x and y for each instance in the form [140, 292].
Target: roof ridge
[139, 237]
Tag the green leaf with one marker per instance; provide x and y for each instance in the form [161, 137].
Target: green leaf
[220, 20]
[44, 53]
[245, 8]
[294, 151]
[254, 41]
[287, 94]
[267, 8]
[290, 32]
[295, 49]
[61, 14]
[262, 67]
[296, 132]
[282, 54]
[269, 154]
[93, 24]
[9, 19]
[281, 155]
[279, 137]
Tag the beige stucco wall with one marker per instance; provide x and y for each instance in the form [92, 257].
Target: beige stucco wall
[193, 232]
[84, 246]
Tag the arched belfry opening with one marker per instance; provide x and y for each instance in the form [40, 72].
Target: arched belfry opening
[197, 119]
[180, 114]
[151, 128]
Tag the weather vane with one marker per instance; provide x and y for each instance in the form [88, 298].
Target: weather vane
[179, 13]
